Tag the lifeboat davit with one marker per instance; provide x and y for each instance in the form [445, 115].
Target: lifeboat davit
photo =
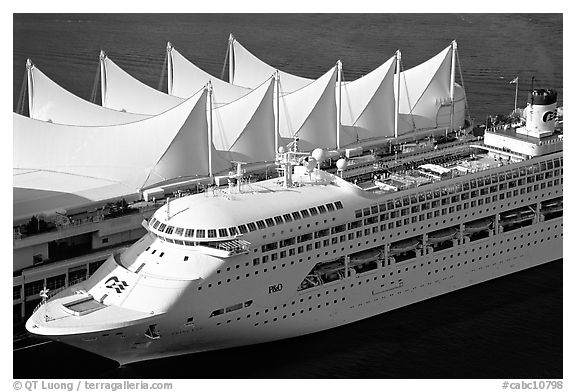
[442, 235]
[404, 246]
[479, 225]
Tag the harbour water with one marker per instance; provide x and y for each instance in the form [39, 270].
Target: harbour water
[507, 328]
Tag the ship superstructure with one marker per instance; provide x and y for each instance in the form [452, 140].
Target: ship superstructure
[308, 251]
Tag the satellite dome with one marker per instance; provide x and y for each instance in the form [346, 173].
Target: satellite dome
[319, 154]
[281, 149]
[341, 164]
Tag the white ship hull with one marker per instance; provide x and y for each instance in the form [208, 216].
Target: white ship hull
[337, 303]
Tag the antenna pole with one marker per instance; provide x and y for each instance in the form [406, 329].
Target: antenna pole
[103, 76]
[397, 103]
[169, 48]
[452, 81]
[339, 104]
[231, 60]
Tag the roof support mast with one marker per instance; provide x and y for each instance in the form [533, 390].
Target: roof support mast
[30, 85]
[339, 104]
[277, 117]
[210, 106]
[452, 81]
[170, 76]
[231, 59]
[397, 102]
[103, 76]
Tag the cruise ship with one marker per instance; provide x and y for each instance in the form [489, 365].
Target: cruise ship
[308, 251]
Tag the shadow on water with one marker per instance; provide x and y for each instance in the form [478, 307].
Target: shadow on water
[505, 328]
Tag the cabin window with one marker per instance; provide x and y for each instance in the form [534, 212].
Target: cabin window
[243, 229]
[287, 242]
[278, 220]
[217, 312]
[330, 207]
[305, 213]
[211, 233]
[233, 231]
[200, 233]
[354, 225]
[338, 229]
[169, 230]
[252, 226]
[223, 232]
[339, 205]
[189, 233]
[287, 218]
[322, 209]
[269, 222]
[179, 231]
[313, 211]
[156, 224]
[269, 247]
[304, 237]
[162, 227]
[366, 211]
[261, 224]
[296, 215]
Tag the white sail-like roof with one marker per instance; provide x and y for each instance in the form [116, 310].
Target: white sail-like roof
[425, 95]
[310, 113]
[171, 145]
[121, 91]
[185, 79]
[368, 104]
[50, 102]
[244, 129]
[251, 72]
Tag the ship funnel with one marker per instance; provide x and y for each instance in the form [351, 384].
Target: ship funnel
[540, 113]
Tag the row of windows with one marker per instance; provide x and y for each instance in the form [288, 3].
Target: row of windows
[513, 177]
[445, 201]
[406, 269]
[245, 228]
[374, 220]
[232, 308]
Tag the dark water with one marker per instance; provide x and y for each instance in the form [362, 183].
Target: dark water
[508, 328]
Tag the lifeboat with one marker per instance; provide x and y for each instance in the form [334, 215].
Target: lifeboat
[442, 235]
[404, 246]
[551, 206]
[365, 257]
[479, 225]
[514, 217]
[331, 267]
